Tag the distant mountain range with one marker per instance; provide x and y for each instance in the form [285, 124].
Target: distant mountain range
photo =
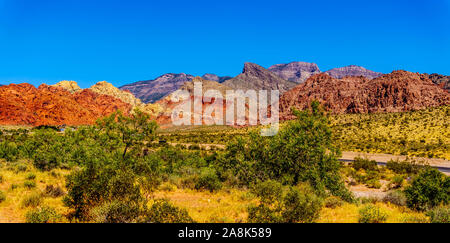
[150, 91]
[280, 76]
[350, 89]
[296, 72]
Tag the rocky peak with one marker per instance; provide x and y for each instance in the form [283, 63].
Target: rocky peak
[352, 70]
[257, 78]
[150, 91]
[70, 86]
[296, 72]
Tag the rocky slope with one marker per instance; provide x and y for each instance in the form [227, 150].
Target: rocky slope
[152, 90]
[70, 86]
[352, 70]
[296, 72]
[23, 104]
[441, 80]
[258, 78]
[176, 98]
[395, 92]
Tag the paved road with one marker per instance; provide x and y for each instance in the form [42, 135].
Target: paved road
[440, 168]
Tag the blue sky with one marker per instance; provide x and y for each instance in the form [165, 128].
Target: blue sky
[126, 41]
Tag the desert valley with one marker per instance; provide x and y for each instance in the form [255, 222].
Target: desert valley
[354, 145]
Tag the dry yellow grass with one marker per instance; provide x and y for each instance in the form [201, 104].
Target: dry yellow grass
[12, 210]
[221, 207]
[349, 213]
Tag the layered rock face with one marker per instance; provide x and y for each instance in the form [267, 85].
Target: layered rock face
[176, 99]
[354, 71]
[23, 104]
[153, 90]
[395, 92]
[296, 72]
[441, 80]
[70, 86]
[258, 78]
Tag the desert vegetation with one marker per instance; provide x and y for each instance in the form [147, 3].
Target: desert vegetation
[122, 169]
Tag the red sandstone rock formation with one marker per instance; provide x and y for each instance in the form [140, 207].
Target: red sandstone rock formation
[23, 104]
[394, 92]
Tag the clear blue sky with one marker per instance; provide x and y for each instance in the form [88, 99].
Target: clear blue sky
[126, 41]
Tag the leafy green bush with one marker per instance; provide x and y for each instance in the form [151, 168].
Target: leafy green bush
[296, 205]
[439, 215]
[372, 214]
[1, 179]
[407, 166]
[397, 181]
[300, 206]
[117, 212]
[208, 180]
[9, 151]
[429, 189]
[333, 202]
[43, 215]
[365, 164]
[162, 211]
[413, 219]
[268, 191]
[30, 176]
[29, 184]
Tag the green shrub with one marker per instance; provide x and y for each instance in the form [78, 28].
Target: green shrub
[117, 212]
[408, 166]
[53, 191]
[429, 189]
[413, 219]
[299, 206]
[296, 205]
[9, 151]
[439, 215]
[1, 179]
[333, 202]
[365, 164]
[269, 191]
[396, 198]
[208, 180]
[32, 200]
[29, 184]
[372, 214]
[162, 211]
[263, 214]
[2, 196]
[397, 181]
[43, 215]
[30, 176]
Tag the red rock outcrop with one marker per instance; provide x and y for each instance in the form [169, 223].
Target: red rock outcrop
[394, 92]
[23, 104]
